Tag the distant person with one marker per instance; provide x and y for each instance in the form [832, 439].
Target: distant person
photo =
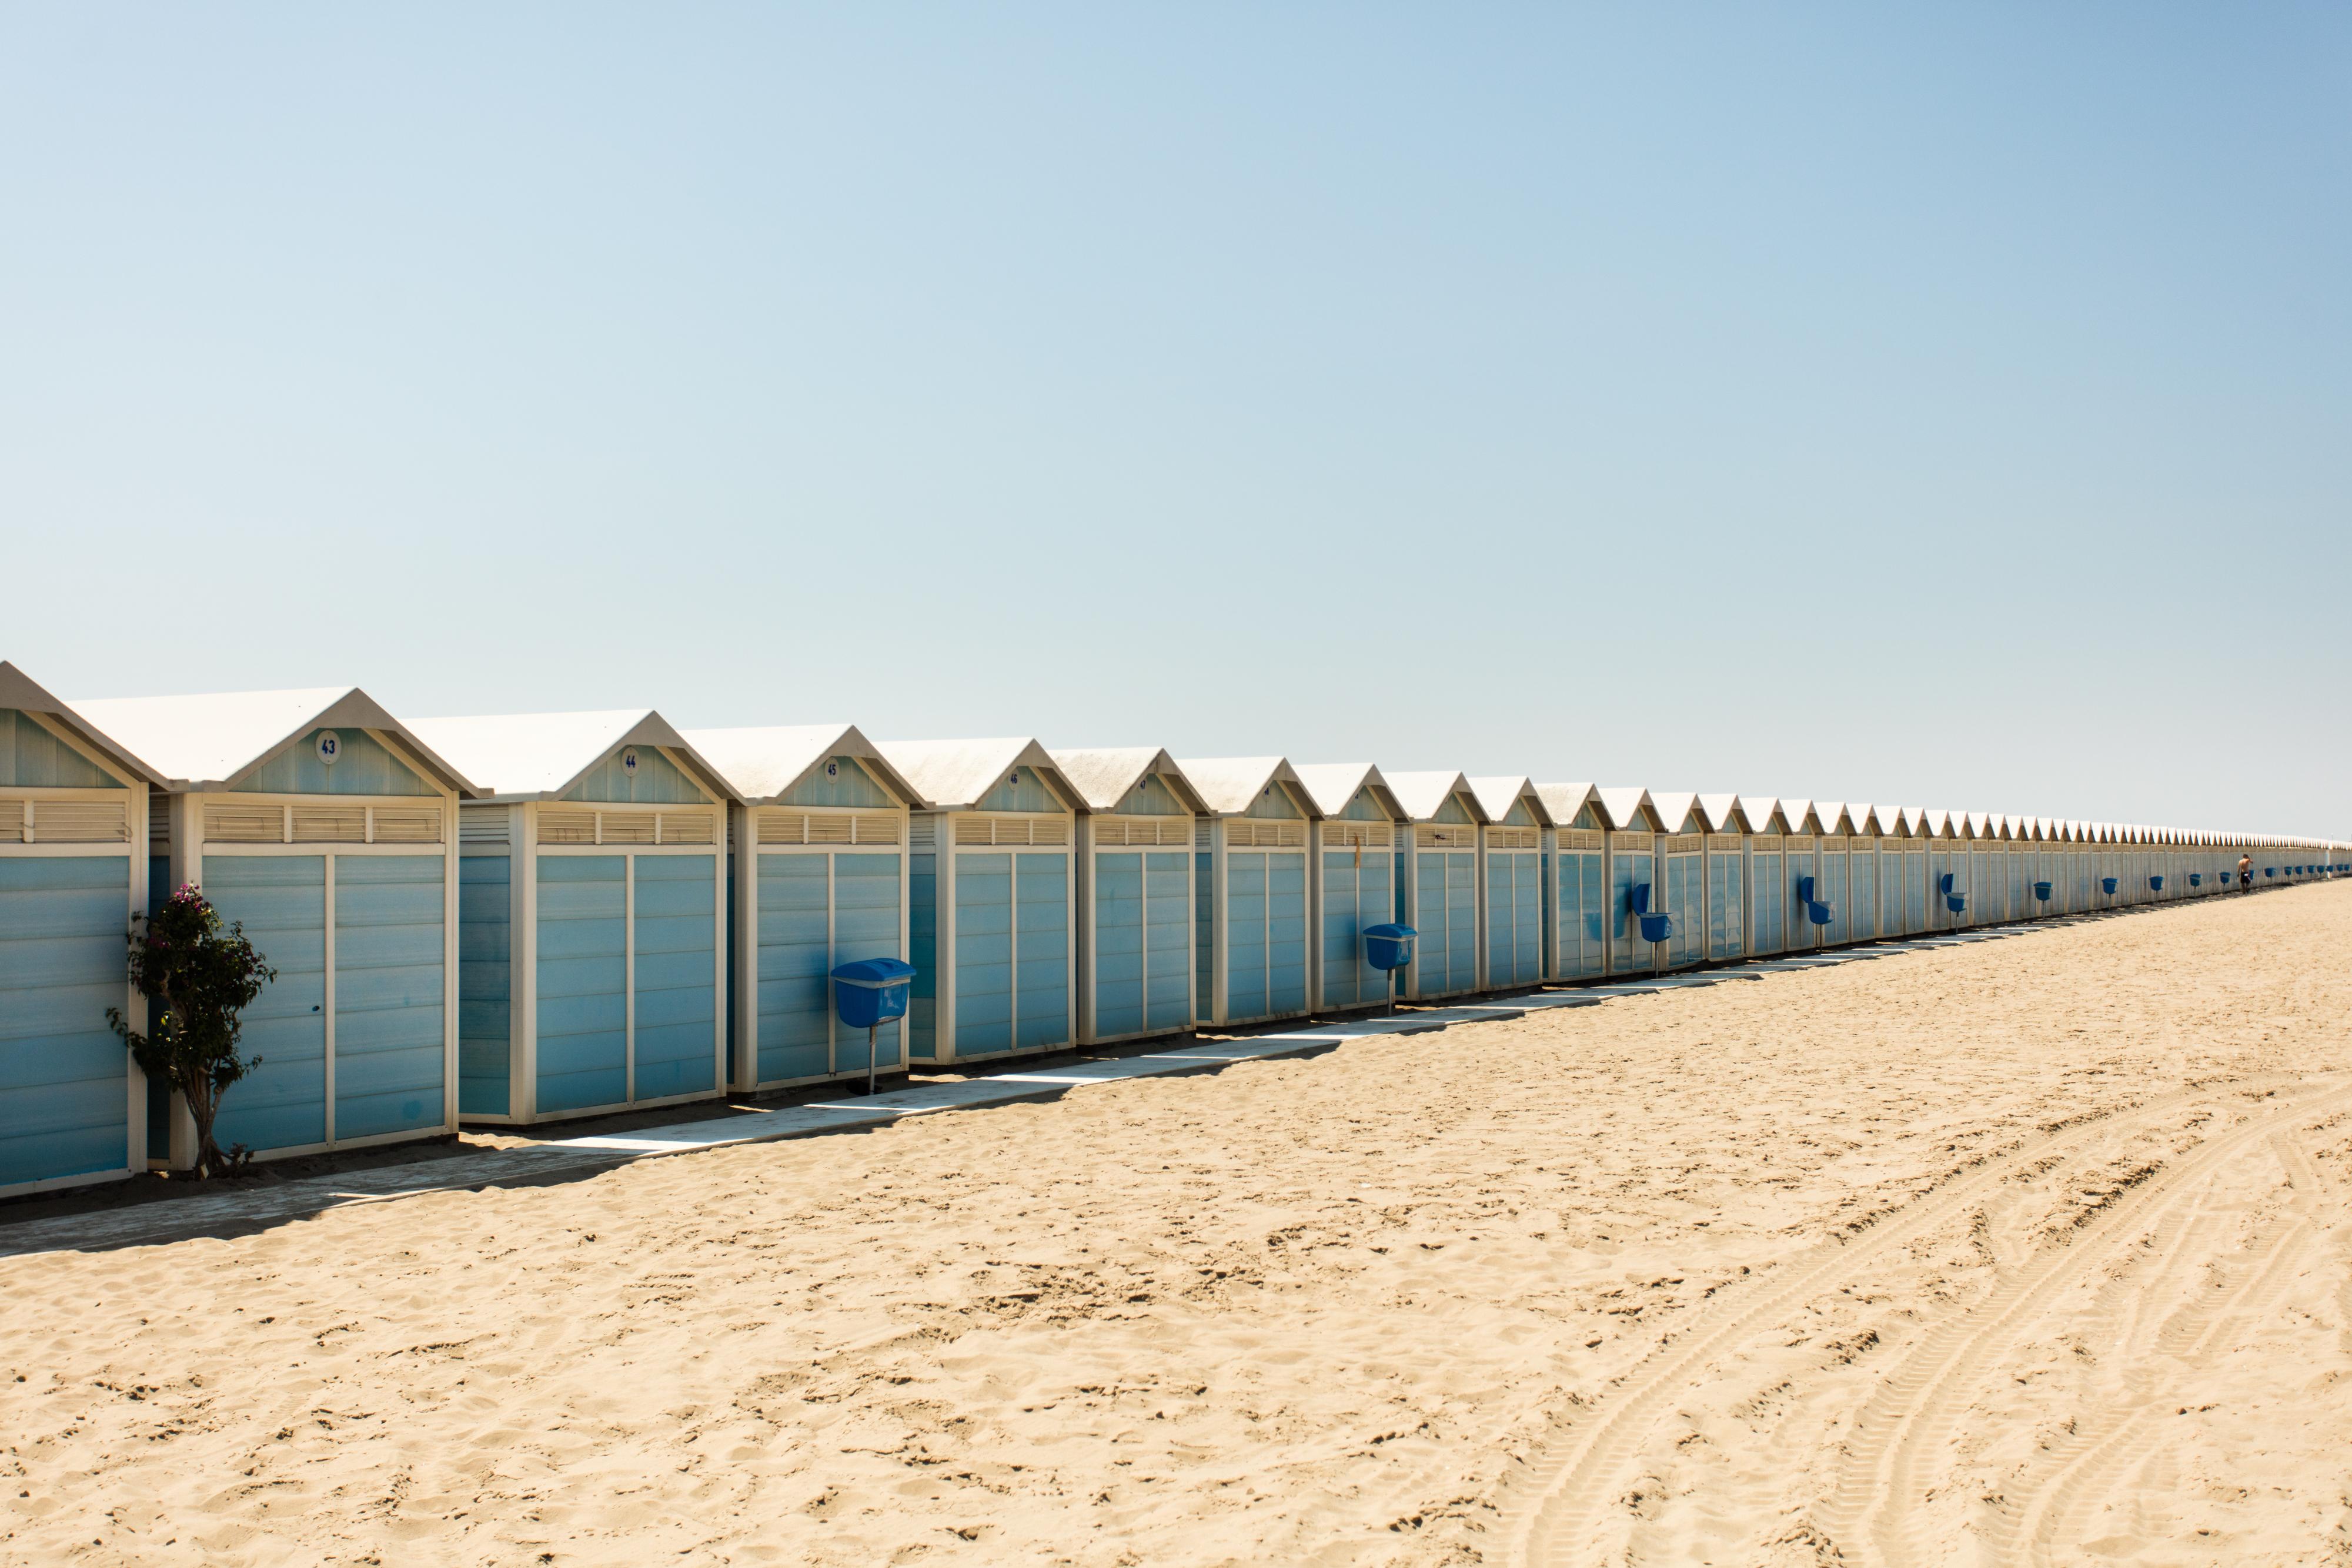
[2245, 874]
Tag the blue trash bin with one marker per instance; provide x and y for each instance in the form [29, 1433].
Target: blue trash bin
[868, 993]
[2042, 891]
[2156, 884]
[1389, 948]
[1657, 927]
[1818, 911]
[2107, 885]
[1957, 902]
[2196, 879]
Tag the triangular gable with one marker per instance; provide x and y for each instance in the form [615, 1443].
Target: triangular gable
[1451, 809]
[359, 766]
[1626, 807]
[1275, 800]
[841, 780]
[1021, 790]
[1722, 813]
[1518, 816]
[223, 739]
[32, 758]
[1151, 798]
[637, 776]
[1364, 806]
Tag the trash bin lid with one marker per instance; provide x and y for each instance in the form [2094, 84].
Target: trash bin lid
[874, 973]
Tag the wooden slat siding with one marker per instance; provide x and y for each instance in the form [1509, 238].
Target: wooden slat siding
[583, 980]
[281, 901]
[63, 1113]
[389, 1027]
[485, 983]
[677, 944]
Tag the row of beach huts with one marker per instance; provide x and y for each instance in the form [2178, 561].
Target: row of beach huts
[516, 919]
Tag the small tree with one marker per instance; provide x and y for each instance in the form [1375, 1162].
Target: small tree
[197, 979]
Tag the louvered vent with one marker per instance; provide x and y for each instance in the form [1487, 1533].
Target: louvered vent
[12, 821]
[1580, 838]
[488, 825]
[783, 827]
[159, 818]
[1863, 846]
[1833, 846]
[79, 823]
[1203, 833]
[626, 828]
[1769, 844]
[1358, 836]
[1433, 837]
[1684, 843]
[331, 824]
[878, 829]
[1246, 833]
[824, 829]
[687, 828]
[923, 832]
[421, 824]
[566, 825]
[1032, 830]
[1633, 843]
[1800, 843]
[229, 824]
[1146, 831]
[1512, 838]
[1723, 844]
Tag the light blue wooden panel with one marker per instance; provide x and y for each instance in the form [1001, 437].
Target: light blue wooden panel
[1985, 890]
[32, 758]
[1362, 808]
[281, 901]
[1518, 816]
[1461, 920]
[1286, 933]
[1022, 789]
[676, 974]
[865, 925]
[1043, 978]
[1582, 924]
[923, 952]
[361, 767]
[1150, 797]
[1345, 981]
[1119, 955]
[1168, 939]
[1727, 902]
[841, 781]
[1203, 914]
[1627, 951]
[391, 1025]
[64, 1075]
[1584, 819]
[1686, 902]
[658, 782]
[485, 984]
[1274, 801]
[1862, 895]
[1830, 886]
[795, 946]
[582, 977]
[1915, 890]
[1244, 936]
[1451, 809]
[1526, 894]
[983, 940]
[1768, 914]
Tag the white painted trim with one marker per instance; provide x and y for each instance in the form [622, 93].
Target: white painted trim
[327, 989]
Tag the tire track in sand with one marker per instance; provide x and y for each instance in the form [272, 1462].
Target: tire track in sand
[2061, 1506]
[1551, 1522]
[1907, 1425]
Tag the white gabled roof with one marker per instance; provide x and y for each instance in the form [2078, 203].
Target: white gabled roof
[1496, 793]
[1421, 794]
[538, 756]
[20, 691]
[763, 763]
[1229, 785]
[1331, 785]
[1104, 776]
[1673, 805]
[209, 741]
[953, 775]
[1565, 800]
[1758, 809]
[1621, 804]
[1722, 813]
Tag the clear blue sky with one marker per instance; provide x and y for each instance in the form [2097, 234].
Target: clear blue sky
[1944, 405]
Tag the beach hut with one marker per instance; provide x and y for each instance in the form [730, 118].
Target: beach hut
[1580, 896]
[324, 826]
[1511, 880]
[1988, 877]
[1631, 851]
[992, 898]
[73, 872]
[594, 908]
[1249, 870]
[817, 877]
[1437, 882]
[1893, 841]
[1135, 918]
[1862, 915]
[1351, 879]
[1833, 858]
[2017, 834]
[1945, 878]
[1802, 887]
[1727, 877]
[1768, 894]
[1682, 877]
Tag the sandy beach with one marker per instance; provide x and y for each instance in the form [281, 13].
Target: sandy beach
[2029, 1252]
